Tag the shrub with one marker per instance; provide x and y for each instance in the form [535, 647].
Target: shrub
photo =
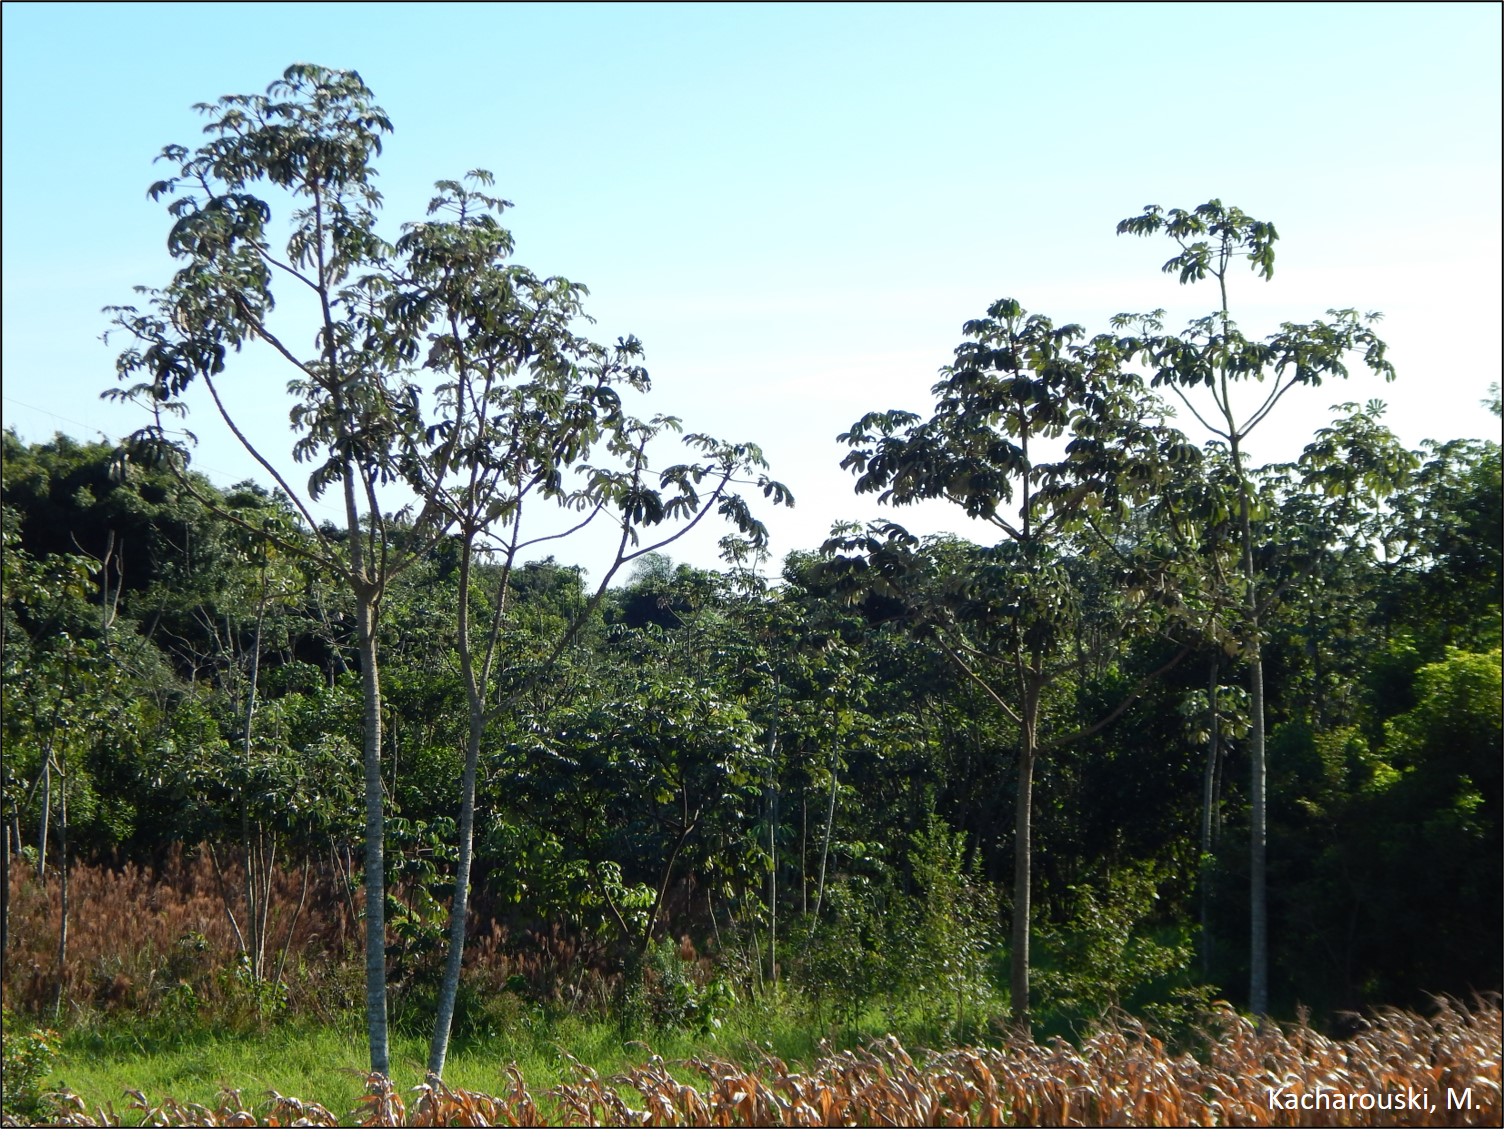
[950, 926]
[848, 959]
[29, 1057]
[1102, 955]
[668, 987]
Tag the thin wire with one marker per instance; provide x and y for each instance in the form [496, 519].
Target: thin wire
[100, 430]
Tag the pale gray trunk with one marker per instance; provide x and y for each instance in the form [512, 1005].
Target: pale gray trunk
[1258, 900]
[1208, 807]
[1258, 979]
[46, 813]
[773, 843]
[5, 826]
[375, 862]
[62, 857]
[226, 899]
[292, 925]
[248, 888]
[1023, 849]
[459, 908]
[660, 903]
[804, 852]
[773, 887]
[1023, 808]
[255, 918]
[830, 819]
[266, 856]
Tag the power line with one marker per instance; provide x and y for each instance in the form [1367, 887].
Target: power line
[100, 430]
[55, 415]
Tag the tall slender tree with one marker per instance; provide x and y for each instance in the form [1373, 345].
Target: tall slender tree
[531, 428]
[1017, 388]
[1212, 357]
[312, 137]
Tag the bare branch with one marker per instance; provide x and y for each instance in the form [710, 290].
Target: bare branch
[1132, 697]
[997, 699]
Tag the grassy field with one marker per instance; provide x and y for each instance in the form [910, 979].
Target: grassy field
[1398, 1068]
[322, 1065]
[327, 1065]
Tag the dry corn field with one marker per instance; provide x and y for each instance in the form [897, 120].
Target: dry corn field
[1398, 1069]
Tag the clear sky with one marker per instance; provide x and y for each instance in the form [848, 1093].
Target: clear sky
[796, 207]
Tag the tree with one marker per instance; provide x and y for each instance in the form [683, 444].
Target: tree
[1212, 353]
[1443, 549]
[530, 416]
[1016, 386]
[313, 137]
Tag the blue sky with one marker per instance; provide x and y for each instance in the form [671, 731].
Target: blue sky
[796, 207]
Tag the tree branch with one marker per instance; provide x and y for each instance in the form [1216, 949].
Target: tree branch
[997, 699]
[1129, 700]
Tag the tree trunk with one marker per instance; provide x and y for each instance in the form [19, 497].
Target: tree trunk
[248, 888]
[1208, 806]
[5, 826]
[266, 855]
[475, 698]
[254, 916]
[375, 862]
[459, 907]
[773, 842]
[4, 868]
[804, 852]
[1258, 902]
[62, 932]
[830, 818]
[225, 898]
[660, 903]
[292, 925]
[1023, 842]
[773, 887]
[1258, 972]
[46, 813]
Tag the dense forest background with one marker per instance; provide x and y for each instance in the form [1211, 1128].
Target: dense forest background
[1190, 730]
[713, 754]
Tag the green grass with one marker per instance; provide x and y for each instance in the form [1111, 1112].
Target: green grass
[318, 1064]
[326, 1065]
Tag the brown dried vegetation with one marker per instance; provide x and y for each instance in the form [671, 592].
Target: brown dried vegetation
[1120, 1077]
[138, 940]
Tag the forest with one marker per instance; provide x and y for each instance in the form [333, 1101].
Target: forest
[1192, 737]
